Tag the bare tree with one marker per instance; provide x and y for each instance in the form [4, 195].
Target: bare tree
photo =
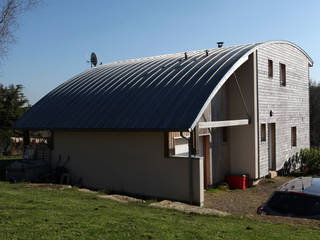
[10, 10]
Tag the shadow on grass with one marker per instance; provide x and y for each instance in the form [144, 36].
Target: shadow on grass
[5, 162]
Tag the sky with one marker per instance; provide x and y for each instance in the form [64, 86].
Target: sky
[55, 40]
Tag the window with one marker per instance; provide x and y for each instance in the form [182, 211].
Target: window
[263, 132]
[294, 136]
[175, 145]
[224, 135]
[270, 68]
[283, 81]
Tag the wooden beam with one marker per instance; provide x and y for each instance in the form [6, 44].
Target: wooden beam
[228, 123]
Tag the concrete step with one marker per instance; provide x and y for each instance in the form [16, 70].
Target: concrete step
[273, 174]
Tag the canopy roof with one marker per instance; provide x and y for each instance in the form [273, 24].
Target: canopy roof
[168, 92]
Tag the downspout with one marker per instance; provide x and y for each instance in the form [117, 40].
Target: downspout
[190, 166]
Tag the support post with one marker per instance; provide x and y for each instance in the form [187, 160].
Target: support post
[190, 172]
[195, 140]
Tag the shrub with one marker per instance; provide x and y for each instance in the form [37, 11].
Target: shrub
[310, 161]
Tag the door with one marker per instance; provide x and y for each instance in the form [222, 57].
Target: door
[206, 160]
[272, 146]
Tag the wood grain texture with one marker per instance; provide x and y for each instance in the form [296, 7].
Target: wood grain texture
[289, 104]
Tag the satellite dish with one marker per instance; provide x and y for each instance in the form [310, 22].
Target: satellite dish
[93, 59]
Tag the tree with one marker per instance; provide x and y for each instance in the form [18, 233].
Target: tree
[315, 114]
[10, 10]
[12, 106]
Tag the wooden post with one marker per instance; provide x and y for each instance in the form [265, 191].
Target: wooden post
[206, 160]
[195, 141]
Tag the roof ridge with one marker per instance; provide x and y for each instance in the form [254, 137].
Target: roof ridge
[169, 55]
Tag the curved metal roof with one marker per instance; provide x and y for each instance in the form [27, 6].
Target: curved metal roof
[165, 92]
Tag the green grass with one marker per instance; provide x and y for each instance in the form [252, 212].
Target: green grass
[10, 158]
[270, 180]
[32, 213]
[215, 190]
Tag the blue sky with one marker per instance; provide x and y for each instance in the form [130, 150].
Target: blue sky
[56, 39]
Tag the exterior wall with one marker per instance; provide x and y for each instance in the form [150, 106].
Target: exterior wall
[130, 162]
[289, 104]
[242, 138]
[220, 150]
[237, 155]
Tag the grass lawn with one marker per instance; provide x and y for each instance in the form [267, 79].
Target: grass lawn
[10, 158]
[43, 213]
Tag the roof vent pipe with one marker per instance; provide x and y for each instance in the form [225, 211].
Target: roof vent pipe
[207, 53]
[185, 56]
[220, 44]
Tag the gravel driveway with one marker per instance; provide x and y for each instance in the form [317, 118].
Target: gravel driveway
[246, 202]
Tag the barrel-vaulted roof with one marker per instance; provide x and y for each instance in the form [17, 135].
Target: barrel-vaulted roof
[168, 92]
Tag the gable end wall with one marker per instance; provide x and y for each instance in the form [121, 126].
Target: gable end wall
[289, 104]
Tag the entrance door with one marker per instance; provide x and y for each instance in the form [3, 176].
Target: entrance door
[206, 160]
[272, 146]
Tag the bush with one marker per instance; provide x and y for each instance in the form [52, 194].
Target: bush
[310, 161]
[290, 166]
[307, 161]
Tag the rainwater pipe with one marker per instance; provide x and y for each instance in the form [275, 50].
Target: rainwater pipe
[190, 166]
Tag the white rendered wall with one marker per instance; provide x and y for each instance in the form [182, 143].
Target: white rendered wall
[128, 162]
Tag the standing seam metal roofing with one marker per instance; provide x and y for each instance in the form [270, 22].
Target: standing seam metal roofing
[165, 92]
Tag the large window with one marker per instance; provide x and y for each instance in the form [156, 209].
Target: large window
[270, 68]
[283, 79]
[294, 136]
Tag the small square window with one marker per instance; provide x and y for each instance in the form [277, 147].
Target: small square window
[263, 132]
[270, 68]
[294, 136]
[283, 80]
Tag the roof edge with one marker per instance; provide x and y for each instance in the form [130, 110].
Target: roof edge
[243, 59]
[106, 129]
[289, 43]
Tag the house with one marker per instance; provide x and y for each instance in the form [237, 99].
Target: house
[170, 126]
